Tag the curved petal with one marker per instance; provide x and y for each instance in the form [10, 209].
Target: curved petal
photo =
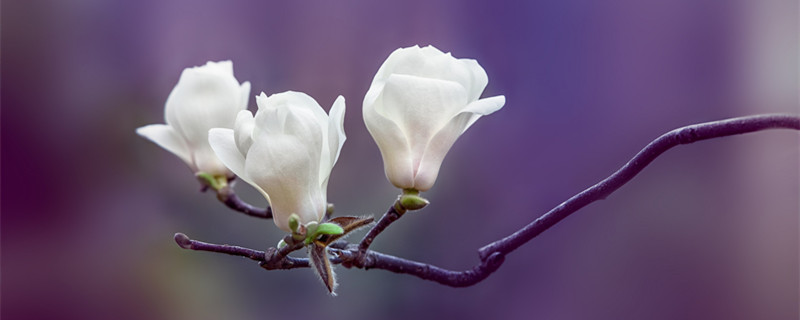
[421, 107]
[205, 97]
[244, 91]
[206, 161]
[202, 102]
[478, 80]
[165, 137]
[430, 62]
[336, 138]
[435, 151]
[483, 107]
[294, 100]
[441, 143]
[287, 171]
[391, 141]
[224, 145]
[243, 131]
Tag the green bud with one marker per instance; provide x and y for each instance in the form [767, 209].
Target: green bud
[311, 231]
[412, 201]
[329, 228]
[311, 227]
[294, 222]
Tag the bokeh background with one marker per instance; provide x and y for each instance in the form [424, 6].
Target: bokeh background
[708, 231]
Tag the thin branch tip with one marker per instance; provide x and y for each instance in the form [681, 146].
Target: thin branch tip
[183, 240]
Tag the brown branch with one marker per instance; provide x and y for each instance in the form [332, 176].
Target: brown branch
[395, 212]
[227, 196]
[493, 254]
[349, 258]
[602, 189]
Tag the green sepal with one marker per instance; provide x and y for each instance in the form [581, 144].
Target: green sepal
[311, 232]
[413, 201]
[329, 228]
[214, 182]
[348, 224]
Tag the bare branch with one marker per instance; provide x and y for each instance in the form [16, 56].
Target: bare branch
[186, 243]
[395, 212]
[493, 254]
[349, 258]
[227, 196]
[602, 189]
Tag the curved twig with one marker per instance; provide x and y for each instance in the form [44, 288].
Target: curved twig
[227, 196]
[390, 216]
[349, 258]
[602, 189]
[493, 254]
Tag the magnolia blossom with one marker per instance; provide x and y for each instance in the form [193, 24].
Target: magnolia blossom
[205, 97]
[420, 101]
[286, 151]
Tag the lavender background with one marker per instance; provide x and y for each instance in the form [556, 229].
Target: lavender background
[708, 231]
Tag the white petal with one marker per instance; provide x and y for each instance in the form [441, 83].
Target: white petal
[244, 91]
[483, 107]
[206, 161]
[288, 171]
[336, 138]
[430, 62]
[294, 100]
[421, 107]
[221, 68]
[395, 151]
[437, 149]
[441, 143]
[205, 97]
[167, 138]
[203, 102]
[243, 131]
[224, 146]
[478, 80]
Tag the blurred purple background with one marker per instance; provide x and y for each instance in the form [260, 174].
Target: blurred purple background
[708, 231]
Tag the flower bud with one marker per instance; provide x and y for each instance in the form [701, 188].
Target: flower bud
[205, 97]
[420, 101]
[286, 151]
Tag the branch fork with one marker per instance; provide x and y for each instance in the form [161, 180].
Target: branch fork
[493, 254]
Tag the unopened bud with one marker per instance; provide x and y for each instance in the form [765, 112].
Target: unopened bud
[412, 201]
[294, 222]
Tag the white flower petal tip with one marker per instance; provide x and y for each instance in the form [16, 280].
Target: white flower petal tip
[165, 137]
[420, 101]
[287, 151]
[205, 97]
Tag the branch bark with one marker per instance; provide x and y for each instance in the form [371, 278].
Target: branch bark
[493, 254]
[602, 189]
[227, 196]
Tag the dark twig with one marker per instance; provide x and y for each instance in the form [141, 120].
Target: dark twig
[602, 189]
[348, 258]
[395, 212]
[493, 254]
[230, 199]
[186, 243]
[377, 260]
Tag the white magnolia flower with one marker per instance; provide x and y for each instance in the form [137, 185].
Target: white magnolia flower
[286, 151]
[205, 97]
[420, 101]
